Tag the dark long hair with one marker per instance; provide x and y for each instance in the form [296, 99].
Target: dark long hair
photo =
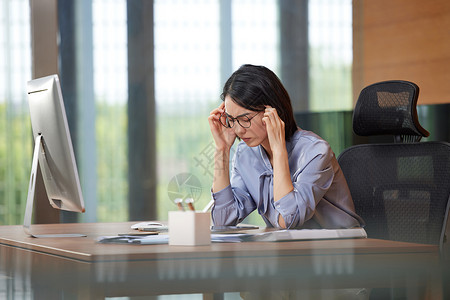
[254, 87]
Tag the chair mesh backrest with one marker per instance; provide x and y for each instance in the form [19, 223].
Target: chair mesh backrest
[400, 190]
[388, 107]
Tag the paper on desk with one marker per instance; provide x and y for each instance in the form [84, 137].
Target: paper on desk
[164, 239]
[291, 235]
[309, 234]
[271, 236]
[131, 239]
[231, 238]
[152, 240]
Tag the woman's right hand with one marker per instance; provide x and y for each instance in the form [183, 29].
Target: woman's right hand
[223, 137]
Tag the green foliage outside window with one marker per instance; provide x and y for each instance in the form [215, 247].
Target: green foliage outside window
[15, 163]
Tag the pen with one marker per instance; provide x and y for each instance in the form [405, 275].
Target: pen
[179, 203]
[208, 206]
[190, 203]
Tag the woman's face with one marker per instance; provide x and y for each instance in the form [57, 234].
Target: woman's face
[256, 134]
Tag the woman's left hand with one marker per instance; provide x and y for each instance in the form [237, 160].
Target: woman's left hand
[275, 129]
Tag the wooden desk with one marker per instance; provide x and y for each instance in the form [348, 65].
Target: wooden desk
[82, 267]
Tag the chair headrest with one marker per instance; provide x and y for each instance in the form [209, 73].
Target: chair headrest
[388, 108]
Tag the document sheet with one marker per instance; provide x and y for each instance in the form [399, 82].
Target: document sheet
[270, 236]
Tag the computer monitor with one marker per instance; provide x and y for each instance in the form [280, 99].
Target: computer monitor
[53, 151]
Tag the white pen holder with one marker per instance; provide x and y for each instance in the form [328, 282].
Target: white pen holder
[189, 228]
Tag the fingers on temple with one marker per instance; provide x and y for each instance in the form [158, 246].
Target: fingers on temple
[271, 115]
[217, 111]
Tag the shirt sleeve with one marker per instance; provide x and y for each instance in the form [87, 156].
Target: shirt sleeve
[233, 203]
[311, 181]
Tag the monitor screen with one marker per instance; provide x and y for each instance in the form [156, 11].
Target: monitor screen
[53, 150]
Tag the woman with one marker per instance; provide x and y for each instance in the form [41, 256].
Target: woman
[289, 175]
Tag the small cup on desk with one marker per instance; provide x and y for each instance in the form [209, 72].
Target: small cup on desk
[189, 228]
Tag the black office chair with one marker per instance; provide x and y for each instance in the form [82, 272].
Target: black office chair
[401, 189]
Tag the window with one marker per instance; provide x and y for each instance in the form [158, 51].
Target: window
[111, 96]
[187, 85]
[15, 127]
[330, 55]
[198, 43]
[255, 33]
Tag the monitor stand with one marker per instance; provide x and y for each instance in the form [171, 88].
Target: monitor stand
[38, 148]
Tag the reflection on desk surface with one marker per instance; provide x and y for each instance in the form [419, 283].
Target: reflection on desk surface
[87, 248]
[84, 267]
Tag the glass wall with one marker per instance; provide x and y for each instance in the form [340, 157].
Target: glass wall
[188, 83]
[187, 80]
[330, 55]
[15, 129]
[255, 33]
[109, 25]
[197, 44]
[187, 60]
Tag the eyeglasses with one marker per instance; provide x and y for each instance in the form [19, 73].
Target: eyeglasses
[228, 121]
